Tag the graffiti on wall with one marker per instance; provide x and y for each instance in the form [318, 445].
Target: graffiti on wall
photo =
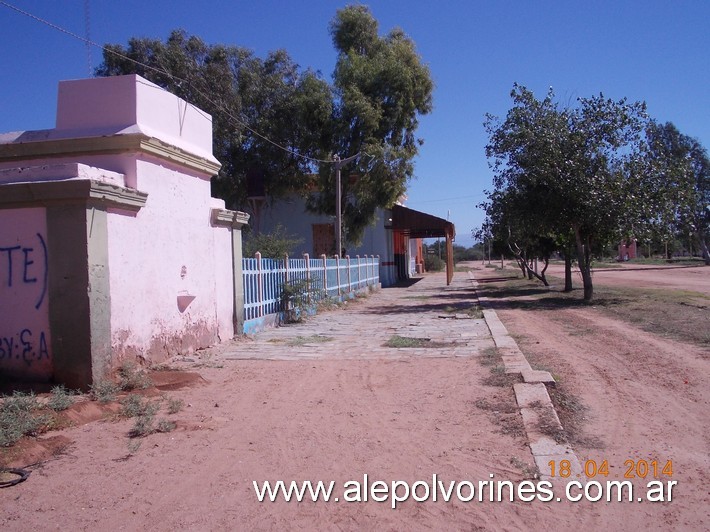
[25, 349]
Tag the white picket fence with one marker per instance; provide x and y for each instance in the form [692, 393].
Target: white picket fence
[264, 279]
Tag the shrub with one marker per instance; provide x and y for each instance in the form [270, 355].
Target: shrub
[60, 399]
[175, 405]
[272, 245]
[131, 377]
[135, 406]
[432, 263]
[104, 391]
[19, 417]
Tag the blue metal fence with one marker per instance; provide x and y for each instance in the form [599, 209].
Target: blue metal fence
[264, 280]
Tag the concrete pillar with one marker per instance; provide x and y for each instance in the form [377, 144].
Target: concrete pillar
[79, 294]
[236, 220]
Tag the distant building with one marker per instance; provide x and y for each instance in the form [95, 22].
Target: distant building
[395, 236]
[628, 249]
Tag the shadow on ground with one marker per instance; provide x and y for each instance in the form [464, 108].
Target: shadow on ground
[540, 298]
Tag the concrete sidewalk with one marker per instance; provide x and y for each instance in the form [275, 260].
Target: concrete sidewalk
[426, 310]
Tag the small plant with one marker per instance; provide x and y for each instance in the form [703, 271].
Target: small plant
[175, 405]
[549, 425]
[328, 303]
[297, 299]
[135, 406]
[499, 377]
[143, 426]
[19, 417]
[313, 339]
[104, 391]
[490, 356]
[166, 425]
[473, 311]
[528, 471]
[397, 341]
[60, 399]
[131, 377]
[504, 413]
[133, 447]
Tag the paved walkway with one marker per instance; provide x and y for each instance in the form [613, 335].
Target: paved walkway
[441, 317]
[428, 310]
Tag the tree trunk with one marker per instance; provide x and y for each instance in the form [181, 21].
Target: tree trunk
[585, 266]
[542, 273]
[703, 247]
[521, 264]
[568, 272]
[528, 265]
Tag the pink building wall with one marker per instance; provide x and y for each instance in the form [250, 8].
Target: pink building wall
[160, 246]
[628, 250]
[25, 337]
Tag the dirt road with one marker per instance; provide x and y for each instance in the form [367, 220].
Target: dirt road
[331, 412]
[695, 278]
[646, 397]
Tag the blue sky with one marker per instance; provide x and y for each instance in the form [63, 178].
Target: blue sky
[656, 51]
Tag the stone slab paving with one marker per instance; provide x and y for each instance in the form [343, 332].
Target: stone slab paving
[435, 314]
[427, 310]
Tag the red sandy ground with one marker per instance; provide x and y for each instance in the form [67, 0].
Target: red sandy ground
[406, 419]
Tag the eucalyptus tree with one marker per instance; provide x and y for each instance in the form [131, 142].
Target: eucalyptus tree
[259, 106]
[381, 88]
[284, 124]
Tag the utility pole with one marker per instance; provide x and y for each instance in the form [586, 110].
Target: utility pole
[338, 202]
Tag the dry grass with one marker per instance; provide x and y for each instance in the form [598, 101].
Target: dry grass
[678, 314]
[504, 413]
[313, 339]
[572, 415]
[399, 342]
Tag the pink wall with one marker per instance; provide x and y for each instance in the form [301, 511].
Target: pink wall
[170, 270]
[25, 341]
[130, 105]
[168, 250]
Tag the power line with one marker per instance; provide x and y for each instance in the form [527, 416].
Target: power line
[87, 25]
[227, 113]
[448, 199]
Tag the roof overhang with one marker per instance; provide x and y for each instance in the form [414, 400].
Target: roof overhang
[418, 224]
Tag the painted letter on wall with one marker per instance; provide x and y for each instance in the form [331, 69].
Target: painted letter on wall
[25, 348]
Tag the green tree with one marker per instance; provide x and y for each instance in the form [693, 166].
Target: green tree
[259, 106]
[566, 172]
[679, 186]
[380, 87]
[272, 245]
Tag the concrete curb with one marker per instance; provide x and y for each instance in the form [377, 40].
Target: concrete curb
[534, 402]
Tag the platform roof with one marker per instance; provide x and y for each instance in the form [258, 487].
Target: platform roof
[419, 224]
